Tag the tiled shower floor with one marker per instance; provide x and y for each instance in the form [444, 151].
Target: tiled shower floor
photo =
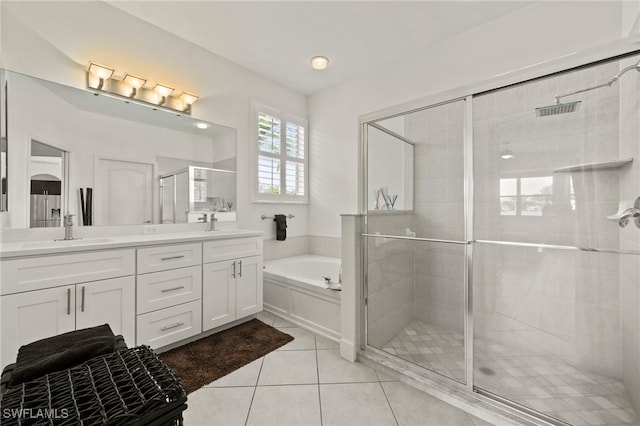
[544, 383]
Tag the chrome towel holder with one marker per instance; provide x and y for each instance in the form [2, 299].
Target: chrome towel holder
[264, 216]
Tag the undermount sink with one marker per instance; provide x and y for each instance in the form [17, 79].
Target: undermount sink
[66, 243]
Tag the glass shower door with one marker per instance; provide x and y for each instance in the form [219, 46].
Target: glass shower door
[415, 239]
[556, 324]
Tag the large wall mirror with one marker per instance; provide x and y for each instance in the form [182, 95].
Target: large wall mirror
[106, 160]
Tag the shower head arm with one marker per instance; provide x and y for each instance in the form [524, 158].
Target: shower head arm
[607, 84]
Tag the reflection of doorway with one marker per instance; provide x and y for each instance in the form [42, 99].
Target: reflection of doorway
[124, 192]
[46, 171]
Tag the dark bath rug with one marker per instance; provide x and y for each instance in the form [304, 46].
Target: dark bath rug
[205, 360]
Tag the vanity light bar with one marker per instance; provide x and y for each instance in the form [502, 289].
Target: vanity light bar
[100, 77]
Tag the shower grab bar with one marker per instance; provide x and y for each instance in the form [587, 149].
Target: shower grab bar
[430, 240]
[557, 247]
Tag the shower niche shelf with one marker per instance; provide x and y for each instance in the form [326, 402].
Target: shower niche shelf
[587, 167]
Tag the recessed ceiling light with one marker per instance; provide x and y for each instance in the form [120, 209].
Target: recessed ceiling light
[201, 125]
[319, 62]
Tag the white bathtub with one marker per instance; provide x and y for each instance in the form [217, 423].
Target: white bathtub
[295, 290]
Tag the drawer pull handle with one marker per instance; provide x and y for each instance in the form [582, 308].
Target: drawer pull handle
[172, 257]
[68, 301]
[171, 289]
[240, 274]
[82, 307]
[233, 274]
[169, 327]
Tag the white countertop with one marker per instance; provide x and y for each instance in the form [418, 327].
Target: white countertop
[47, 247]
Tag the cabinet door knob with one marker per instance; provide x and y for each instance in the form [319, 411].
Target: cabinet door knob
[240, 273]
[233, 274]
[68, 301]
[82, 306]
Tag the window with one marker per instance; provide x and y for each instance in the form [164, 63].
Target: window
[525, 196]
[280, 161]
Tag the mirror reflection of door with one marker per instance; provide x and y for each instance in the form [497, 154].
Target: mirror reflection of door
[46, 170]
[124, 192]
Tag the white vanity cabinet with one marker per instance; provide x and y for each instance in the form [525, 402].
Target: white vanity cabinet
[169, 294]
[232, 280]
[49, 295]
[158, 292]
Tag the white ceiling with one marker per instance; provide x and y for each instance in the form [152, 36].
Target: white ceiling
[277, 38]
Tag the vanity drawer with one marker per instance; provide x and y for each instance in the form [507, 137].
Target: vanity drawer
[18, 275]
[170, 325]
[160, 290]
[162, 258]
[233, 248]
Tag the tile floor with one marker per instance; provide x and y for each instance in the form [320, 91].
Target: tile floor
[544, 383]
[306, 382]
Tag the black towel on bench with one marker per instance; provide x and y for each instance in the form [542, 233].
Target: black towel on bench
[60, 352]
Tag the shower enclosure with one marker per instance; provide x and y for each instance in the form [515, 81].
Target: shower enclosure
[502, 254]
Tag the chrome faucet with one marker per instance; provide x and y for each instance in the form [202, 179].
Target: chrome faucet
[68, 227]
[628, 215]
[332, 285]
[212, 222]
[203, 218]
[632, 213]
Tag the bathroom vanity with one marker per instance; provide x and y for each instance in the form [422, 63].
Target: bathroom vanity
[159, 290]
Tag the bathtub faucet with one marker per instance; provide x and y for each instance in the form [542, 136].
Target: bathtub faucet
[331, 285]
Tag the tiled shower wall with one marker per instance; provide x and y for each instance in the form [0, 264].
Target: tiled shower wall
[563, 303]
[439, 214]
[390, 278]
[630, 236]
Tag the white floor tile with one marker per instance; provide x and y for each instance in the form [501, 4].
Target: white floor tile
[384, 377]
[244, 376]
[289, 368]
[218, 406]
[414, 407]
[324, 343]
[296, 405]
[355, 404]
[302, 339]
[282, 323]
[332, 368]
[266, 317]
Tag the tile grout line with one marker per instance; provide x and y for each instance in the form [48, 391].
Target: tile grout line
[254, 391]
[315, 341]
[389, 403]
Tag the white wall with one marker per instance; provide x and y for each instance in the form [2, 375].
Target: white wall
[533, 34]
[56, 40]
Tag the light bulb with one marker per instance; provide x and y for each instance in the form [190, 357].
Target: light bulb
[319, 62]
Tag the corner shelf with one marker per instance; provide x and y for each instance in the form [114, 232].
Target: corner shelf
[586, 167]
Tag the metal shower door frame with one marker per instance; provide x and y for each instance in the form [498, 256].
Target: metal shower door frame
[617, 49]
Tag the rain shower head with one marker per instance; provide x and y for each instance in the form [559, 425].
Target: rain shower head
[557, 108]
[560, 108]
